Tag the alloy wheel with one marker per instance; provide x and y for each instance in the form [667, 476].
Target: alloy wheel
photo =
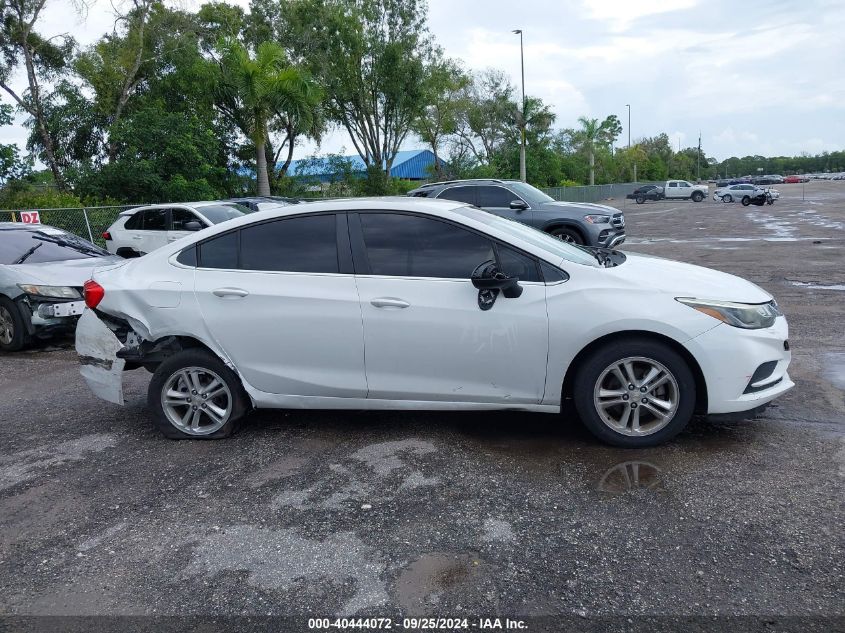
[636, 396]
[7, 326]
[196, 401]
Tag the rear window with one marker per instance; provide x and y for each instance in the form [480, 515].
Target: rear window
[18, 246]
[217, 213]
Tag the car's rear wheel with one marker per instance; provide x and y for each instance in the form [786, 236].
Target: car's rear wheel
[634, 394]
[746, 200]
[727, 198]
[697, 196]
[195, 396]
[640, 199]
[567, 235]
[13, 334]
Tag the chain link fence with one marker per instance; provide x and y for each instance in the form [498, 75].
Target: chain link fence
[87, 222]
[594, 193]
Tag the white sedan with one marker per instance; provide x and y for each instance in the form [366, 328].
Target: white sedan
[426, 304]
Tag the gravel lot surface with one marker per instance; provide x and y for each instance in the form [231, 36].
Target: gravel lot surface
[387, 514]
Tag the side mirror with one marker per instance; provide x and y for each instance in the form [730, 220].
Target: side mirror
[490, 281]
[192, 225]
[519, 205]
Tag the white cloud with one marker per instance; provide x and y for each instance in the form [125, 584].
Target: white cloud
[621, 13]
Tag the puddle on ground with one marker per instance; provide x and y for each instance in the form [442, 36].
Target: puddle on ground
[422, 583]
[631, 475]
[816, 286]
[834, 369]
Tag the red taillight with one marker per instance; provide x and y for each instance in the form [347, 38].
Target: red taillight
[106, 235]
[93, 293]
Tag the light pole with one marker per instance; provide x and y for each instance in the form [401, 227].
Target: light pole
[628, 105]
[522, 122]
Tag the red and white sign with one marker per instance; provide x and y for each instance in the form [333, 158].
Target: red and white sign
[30, 217]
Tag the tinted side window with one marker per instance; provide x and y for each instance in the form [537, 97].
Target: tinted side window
[188, 257]
[178, 218]
[412, 246]
[135, 222]
[551, 273]
[495, 197]
[459, 194]
[220, 252]
[306, 244]
[515, 264]
[155, 220]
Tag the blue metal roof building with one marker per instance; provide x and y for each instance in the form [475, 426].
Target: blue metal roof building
[415, 164]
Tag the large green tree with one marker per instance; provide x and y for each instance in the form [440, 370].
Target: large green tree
[438, 120]
[371, 58]
[252, 91]
[43, 60]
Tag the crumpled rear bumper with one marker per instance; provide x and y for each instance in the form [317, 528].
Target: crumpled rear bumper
[97, 347]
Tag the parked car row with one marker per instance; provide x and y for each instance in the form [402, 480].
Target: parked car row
[421, 302]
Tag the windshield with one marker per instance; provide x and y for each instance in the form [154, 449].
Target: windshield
[533, 236]
[19, 246]
[531, 195]
[217, 213]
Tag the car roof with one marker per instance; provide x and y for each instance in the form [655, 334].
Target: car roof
[169, 205]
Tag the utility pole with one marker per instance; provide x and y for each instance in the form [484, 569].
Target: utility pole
[698, 159]
[522, 122]
[628, 105]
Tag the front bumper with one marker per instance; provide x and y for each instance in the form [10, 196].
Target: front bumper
[729, 358]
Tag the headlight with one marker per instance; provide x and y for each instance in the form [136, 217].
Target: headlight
[54, 292]
[597, 219]
[749, 316]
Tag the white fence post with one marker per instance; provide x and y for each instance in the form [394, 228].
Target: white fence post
[88, 225]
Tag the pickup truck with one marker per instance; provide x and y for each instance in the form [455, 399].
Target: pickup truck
[682, 190]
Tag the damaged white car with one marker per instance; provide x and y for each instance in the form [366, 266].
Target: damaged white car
[42, 270]
[426, 304]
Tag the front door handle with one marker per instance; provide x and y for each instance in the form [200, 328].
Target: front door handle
[389, 302]
[230, 292]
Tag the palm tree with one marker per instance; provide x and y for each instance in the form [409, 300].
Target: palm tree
[252, 91]
[589, 136]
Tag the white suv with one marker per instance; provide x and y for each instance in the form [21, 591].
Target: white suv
[141, 230]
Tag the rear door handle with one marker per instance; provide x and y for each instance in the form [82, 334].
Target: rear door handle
[229, 292]
[389, 302]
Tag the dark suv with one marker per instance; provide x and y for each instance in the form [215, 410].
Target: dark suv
[579, 223]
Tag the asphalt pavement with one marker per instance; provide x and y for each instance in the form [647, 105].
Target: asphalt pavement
[474, 515]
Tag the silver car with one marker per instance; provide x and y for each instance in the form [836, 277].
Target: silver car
[735, 193]
[42, 270]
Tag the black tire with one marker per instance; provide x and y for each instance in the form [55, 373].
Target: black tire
[203, 360]
[591, 370]
[746, 200]
[640, 199]
[770, 201]
[727, 198]
[697, 196]
[12, 319]
[567, 235]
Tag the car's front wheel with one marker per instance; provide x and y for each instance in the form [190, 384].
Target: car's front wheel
[746, 200]
[567, 235]
[697, 196]
[727, 198]
[195, 396]
[640, 199]
[13, 335]
[635, 393]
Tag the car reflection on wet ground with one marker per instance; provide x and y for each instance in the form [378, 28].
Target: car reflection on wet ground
[413, 513]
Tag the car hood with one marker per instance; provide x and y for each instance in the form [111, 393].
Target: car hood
[71, 272]
[686, 280]
[577, 208]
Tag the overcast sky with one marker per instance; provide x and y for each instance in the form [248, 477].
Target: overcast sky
[754, 77]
